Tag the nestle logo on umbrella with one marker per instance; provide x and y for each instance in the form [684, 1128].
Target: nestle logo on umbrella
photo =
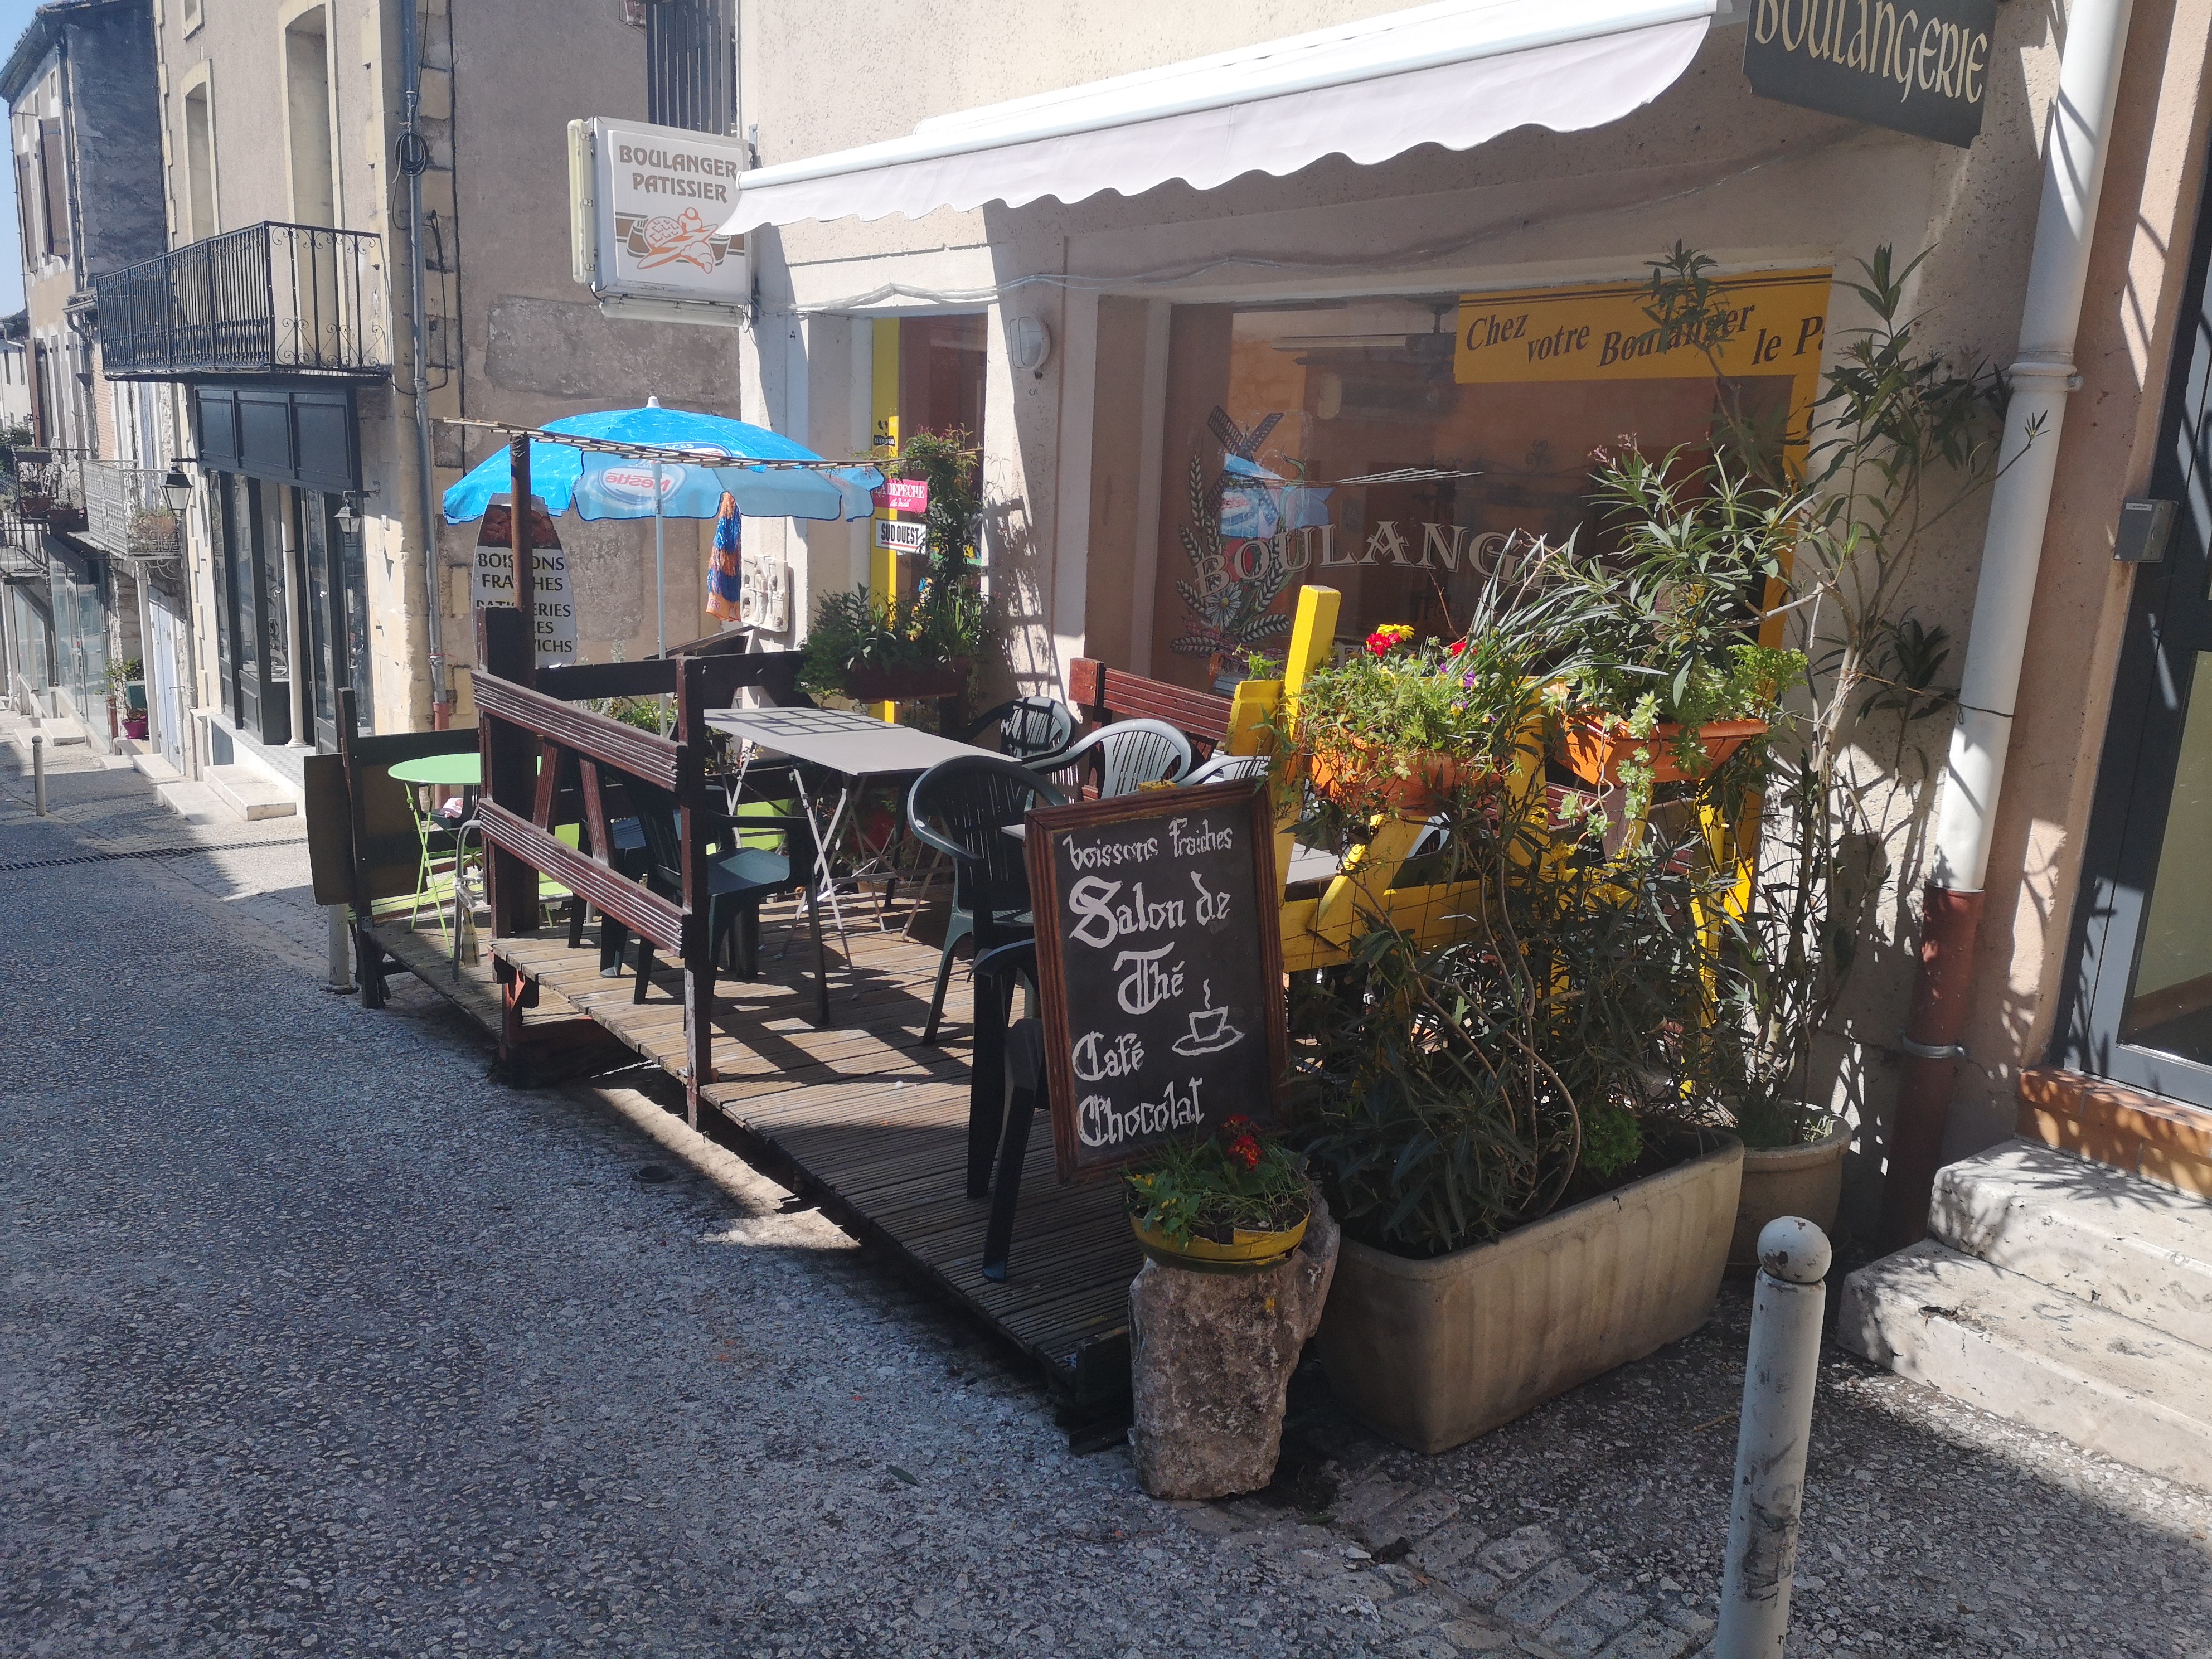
[635, 483]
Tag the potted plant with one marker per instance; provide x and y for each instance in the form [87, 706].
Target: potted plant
[1902, 440]
[1237, 1201]
[1404, 725]
[1240, 1256]
[890, 647]
[1507, 1127]
[126, 698]
[1672, 680]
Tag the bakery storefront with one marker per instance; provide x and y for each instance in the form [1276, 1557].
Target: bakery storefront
[1398, 448]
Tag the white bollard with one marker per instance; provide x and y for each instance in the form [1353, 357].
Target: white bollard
[39, 773]
[1770, 1449]
[341, 955]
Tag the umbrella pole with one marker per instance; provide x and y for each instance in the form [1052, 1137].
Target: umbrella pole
[659, 560]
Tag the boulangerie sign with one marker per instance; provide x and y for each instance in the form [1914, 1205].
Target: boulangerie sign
[647, 209]
[1921, 69]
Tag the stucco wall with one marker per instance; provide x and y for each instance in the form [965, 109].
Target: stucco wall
[1754, 184]
[2145, 223]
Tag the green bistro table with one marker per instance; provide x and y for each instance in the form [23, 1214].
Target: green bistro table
[463, 770]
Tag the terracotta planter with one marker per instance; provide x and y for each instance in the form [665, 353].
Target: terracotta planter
[1596, 748]
[914, 684]
[1805, 1180]
[1419, 793]
[33, 506]
[1433, 1353]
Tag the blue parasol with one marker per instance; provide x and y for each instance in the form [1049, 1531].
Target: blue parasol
[598, 485]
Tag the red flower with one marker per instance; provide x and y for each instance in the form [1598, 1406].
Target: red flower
[1246, 1151]
[1236, 1125]
[1458, 645]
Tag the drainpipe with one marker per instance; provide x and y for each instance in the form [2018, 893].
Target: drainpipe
[414, 156]
[2004, 596]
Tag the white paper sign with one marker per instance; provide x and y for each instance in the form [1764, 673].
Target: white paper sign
[492, 582]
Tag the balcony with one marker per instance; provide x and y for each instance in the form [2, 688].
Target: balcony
[270, 299]
[125, 513]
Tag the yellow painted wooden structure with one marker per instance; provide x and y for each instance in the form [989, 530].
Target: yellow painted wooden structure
[1318, 932]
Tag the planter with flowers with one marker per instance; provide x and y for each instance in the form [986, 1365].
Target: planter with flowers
[1670, 681]
[1241, 1255]
[1409, 726]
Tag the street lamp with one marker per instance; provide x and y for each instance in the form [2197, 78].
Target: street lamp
[349, 512]
[176, 489]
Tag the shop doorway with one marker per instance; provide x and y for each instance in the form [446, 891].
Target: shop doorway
[929, 375]
[2138, 999]
[168, 671]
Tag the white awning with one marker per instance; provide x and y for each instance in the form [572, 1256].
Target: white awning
[1457, 74]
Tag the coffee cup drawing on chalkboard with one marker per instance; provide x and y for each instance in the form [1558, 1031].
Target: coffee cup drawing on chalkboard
[1210, 1030]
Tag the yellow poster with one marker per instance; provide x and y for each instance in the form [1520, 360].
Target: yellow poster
[1602, 332]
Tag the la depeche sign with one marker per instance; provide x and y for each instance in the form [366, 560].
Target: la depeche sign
[1160, 967]
[1922, 68]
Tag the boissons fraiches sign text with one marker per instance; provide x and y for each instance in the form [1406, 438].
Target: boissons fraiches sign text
[1922, 68]
[1159, 955]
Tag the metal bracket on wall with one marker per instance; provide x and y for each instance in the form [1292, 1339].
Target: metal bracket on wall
[1933, 1051]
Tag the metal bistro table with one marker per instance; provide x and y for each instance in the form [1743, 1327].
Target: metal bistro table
[858, 748]
[462, 771]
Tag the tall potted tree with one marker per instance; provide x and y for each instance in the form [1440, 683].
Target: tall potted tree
[1903, 439]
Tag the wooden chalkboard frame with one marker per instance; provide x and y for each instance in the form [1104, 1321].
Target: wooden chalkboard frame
[1046, 826]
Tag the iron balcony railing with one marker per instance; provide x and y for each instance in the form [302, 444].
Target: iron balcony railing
[270, 299]
[125, 512]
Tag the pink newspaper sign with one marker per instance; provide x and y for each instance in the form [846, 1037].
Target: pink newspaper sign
[904, 495]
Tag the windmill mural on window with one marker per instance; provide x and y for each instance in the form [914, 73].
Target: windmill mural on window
[1237, 570]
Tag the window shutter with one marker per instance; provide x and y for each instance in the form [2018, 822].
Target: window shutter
[54, 178]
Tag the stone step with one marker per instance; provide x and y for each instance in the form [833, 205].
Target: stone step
[195, 803]
[248, 793]
[2131, 1246]
[156, 769]
[2010, 1344]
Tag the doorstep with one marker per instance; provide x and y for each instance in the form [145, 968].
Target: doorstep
[249, 792]
[195, 803]
[2143, 1134]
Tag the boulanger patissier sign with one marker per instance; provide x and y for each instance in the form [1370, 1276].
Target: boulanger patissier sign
[1921, 67]
[644, 205]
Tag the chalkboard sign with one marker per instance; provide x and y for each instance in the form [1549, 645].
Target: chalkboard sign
[1160, 961]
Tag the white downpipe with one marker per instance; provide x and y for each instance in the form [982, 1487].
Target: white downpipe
[2020, 502]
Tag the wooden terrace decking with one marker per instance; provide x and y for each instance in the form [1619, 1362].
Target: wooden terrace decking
[859, 1116]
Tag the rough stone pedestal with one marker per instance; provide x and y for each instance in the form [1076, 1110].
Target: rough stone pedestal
[1210, 1357]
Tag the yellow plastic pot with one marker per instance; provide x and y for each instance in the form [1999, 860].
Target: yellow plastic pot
[1247, 1252]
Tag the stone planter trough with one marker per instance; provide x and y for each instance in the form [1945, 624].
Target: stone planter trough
[1433, 1353]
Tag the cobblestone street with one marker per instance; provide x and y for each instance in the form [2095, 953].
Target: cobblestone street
[315, 1340]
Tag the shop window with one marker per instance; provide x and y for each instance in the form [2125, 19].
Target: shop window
[691, 64]
[1396, 449]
